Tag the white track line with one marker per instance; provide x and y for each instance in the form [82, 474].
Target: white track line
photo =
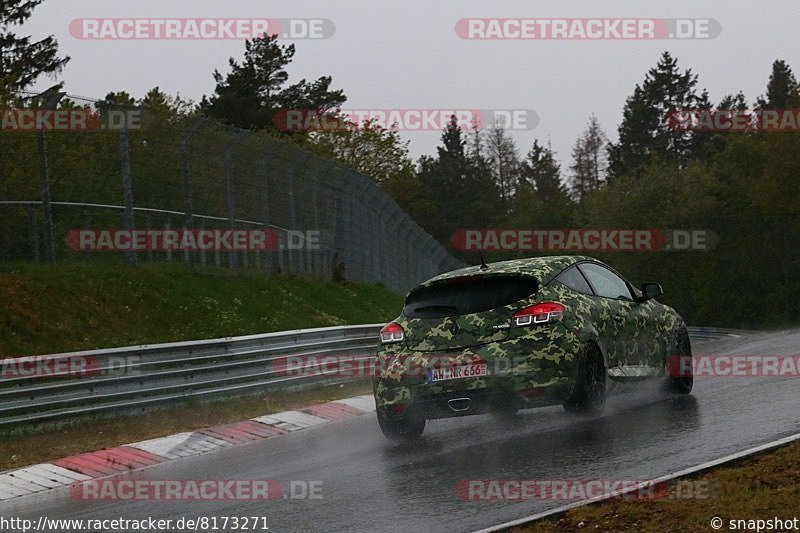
[364, 403]
[46, 476]
[291, 420]
[662, 479]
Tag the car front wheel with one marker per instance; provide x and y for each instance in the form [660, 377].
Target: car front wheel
[680, 375]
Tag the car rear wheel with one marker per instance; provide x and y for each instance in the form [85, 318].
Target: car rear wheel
[407, 427]
[680, 376]
[588, 395]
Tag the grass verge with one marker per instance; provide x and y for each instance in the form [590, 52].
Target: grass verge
[89, 435]
[758, 488]
[77, 306]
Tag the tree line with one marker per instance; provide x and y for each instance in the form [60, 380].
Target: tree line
[742, 185]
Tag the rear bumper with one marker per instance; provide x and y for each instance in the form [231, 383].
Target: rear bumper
[474, 402]
[521, 374]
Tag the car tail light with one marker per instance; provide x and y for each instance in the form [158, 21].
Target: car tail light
[392, 332]
[540, 313]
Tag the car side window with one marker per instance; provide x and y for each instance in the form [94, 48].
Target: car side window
[573, 279]
[605, 282]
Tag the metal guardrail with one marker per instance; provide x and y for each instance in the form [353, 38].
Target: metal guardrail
[60, 386]
[140, 377]
[712, 334]
[37, 203]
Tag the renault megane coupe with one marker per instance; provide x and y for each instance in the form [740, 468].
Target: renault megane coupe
[510, 335]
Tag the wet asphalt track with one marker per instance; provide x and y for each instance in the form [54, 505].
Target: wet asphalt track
[370, 485]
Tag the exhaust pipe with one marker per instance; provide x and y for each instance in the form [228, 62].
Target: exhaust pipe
[459, 404]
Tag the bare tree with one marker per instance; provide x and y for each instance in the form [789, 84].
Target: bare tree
[503, 157]
[589, 161]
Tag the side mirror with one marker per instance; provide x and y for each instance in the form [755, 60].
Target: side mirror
[650, 291]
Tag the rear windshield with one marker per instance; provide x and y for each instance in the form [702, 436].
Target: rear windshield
[463, 296]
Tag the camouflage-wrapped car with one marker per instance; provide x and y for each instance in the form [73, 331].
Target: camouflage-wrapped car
[522, 333]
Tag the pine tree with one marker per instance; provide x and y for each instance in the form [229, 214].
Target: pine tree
[733, 101]
[541, 199]
[647, 131]
[542, 173]
[252, 91]
[782, 84]
[23, 60]
[460, 192]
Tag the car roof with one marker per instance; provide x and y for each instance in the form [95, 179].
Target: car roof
[542, 268]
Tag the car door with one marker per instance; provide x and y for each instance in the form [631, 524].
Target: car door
[621, 320]
[651, 329]
[586, 303]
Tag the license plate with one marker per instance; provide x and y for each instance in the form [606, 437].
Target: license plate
[457, 372]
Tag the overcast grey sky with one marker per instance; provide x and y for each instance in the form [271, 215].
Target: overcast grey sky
[406, 54]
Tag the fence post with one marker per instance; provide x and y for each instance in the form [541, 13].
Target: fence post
[44, 174]
[149, 226]
[394, 231]
[230, 189]
[186, 182]
[315, 256]
[34, 233]
[202, 250]
[433, 267]
[339, 238]
[419, 242]
[127, 188]
[87, 225]
[412, 264]
[264, 204]
[2, 165]
[349, 229]
[304, 257]
[363, 229]
[167, 227]
[292, 220]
